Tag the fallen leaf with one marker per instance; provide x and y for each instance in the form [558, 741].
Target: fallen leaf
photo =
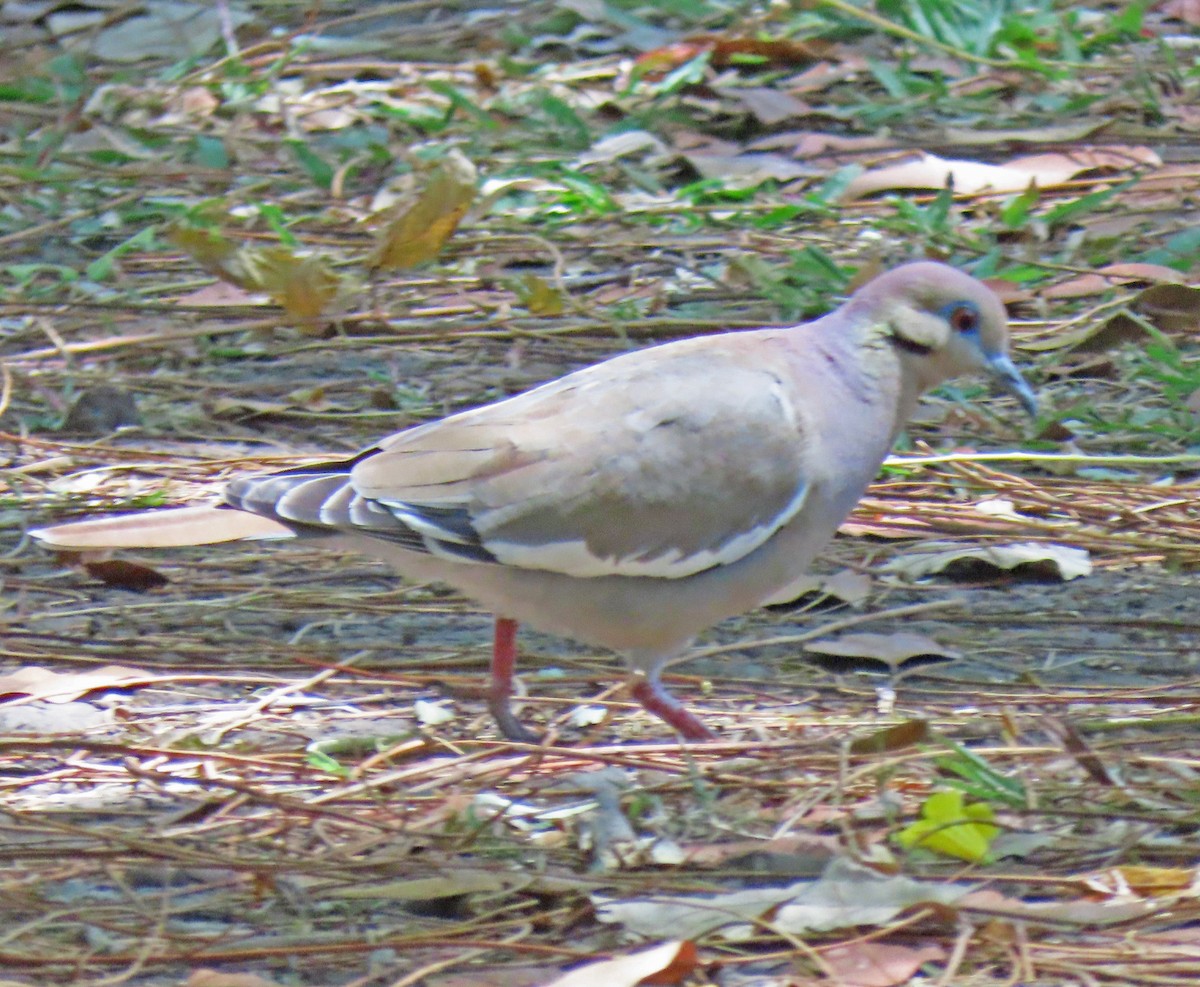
[1167, 307]
[215, 978]
[1078, 912]
[878, 964]
[415, 232]
[847, 894]
[747, 170]
[1145, 882]
[36, 682]
[902, 735]
[1063, 561]
[927, 171]
[126, 575]
[952, 828]
[769, 106]
[668, 963]
[892, 650]
[303, 286]
[847, 585]
[1105, 278]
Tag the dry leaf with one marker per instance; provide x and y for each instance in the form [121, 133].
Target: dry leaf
[415, 232]
[878, 964]
[215, 978]
[847, 894]
[126, 575]
[970, 177]
[847, 585]
[668, 963]
[1063, 561]
[214, 252]
[302, 286]
[540, 296]
[1146, 882]
[1167, 307]
[892, 650]
[1105, 278]
[902, 735]
[64, 687]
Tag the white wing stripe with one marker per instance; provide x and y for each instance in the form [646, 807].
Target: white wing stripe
[574, 558]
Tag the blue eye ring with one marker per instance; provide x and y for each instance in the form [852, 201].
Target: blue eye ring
[963, 317]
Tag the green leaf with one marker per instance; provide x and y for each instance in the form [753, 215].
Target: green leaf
[979, 778]
[690, 73]
[951, 828]
[1084, 204]
[209, 151]
[323, 762]
[102, 267]
[318, 170]
[459, 101]
[1017, 209]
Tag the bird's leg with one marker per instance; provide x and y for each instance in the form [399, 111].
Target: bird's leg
[650, 692]
[500, 691]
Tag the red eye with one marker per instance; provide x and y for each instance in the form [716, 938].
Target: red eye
[964, 319]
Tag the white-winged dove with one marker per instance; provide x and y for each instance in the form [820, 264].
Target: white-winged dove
[634, 503]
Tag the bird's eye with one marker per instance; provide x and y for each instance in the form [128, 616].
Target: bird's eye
[964, 318]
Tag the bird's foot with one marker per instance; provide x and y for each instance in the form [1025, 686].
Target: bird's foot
[649, 691]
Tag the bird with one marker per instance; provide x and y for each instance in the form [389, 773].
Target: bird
[634, 503]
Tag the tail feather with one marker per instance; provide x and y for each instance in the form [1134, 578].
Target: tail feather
[178, 528]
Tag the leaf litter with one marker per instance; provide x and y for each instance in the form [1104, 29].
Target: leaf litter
[270, 766]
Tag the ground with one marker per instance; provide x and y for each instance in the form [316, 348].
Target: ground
[253, 761]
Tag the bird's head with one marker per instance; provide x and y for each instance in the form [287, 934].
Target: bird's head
[944, 323]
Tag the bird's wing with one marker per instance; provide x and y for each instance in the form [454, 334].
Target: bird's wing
[662, 463]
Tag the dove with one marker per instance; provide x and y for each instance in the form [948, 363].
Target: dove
[632, 504]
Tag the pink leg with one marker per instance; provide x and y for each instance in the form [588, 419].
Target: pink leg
[649, 691]
[504, 659]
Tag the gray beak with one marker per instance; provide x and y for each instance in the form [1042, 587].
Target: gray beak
[1005, 373]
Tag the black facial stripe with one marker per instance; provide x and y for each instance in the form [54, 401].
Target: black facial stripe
[909, 346]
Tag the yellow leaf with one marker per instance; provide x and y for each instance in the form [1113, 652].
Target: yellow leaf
[416, 232]
[539, 296]
[950, 828]
[213, 252]
[302, 286]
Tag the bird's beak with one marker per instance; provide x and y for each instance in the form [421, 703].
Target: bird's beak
[1005, 373]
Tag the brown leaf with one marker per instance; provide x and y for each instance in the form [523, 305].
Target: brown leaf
[1167, 307]
[302, 286]
[539, 296]
[64, 687]
[892, 650]
[1105, 278]
[896, 738]
[215, 978]
[927, 171]
[1149, 882]
[667, 963]
[126, 575]
[415, 232]
[215, 253]
[878, 964]
[776, 51]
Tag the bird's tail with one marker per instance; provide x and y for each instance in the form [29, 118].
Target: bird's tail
[184, 526]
